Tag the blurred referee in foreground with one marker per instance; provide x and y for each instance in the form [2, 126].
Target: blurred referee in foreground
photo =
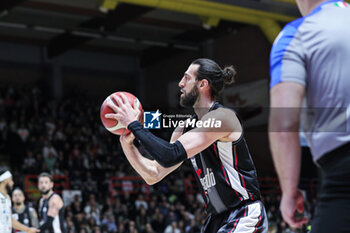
[311, 58]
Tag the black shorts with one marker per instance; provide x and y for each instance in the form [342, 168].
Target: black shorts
[246, 218]
[332, 213]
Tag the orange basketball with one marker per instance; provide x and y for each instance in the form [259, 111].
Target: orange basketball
[113, 125]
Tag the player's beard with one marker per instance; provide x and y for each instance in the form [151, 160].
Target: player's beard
[44, 192]
[8, 188]
[188, 100]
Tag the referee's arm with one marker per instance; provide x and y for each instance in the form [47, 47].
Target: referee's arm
[285, 101]
[287, 89]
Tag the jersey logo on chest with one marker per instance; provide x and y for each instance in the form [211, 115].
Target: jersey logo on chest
[208, 180]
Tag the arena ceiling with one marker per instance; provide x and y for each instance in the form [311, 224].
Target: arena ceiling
[146, 27]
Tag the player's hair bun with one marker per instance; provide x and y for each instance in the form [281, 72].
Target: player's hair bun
[229, 74]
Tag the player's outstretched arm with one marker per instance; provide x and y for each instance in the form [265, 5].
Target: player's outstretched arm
[150, 170]
[20, 227]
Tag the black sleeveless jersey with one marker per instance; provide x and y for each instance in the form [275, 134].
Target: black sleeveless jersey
[23, 217]
[226, 173]
[58, 222]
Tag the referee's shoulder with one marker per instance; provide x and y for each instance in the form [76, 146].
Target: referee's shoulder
[284, 38]
[295, 23]
[291, 28]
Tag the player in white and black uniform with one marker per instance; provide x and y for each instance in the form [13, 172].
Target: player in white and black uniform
[22, 212]
[51, 211]
[218, 152]
[7, 222]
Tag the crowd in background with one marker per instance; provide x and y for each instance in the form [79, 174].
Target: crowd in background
[67, 138]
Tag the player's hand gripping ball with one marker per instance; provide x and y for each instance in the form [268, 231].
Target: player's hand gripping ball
[113, 125]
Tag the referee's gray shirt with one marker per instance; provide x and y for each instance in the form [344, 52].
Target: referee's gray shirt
[315, 52]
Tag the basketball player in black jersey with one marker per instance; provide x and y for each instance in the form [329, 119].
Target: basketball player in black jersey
[22, 212]
[219, 156]
[51, 213]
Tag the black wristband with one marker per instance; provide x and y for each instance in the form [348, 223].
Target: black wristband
[142, 150]
[47, 224]
[135, 125]
[165, 153]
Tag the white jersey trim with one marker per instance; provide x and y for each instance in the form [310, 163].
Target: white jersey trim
[56, 225]
[248, 223]
[226, 156]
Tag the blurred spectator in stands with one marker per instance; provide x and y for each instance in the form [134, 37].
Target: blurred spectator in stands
[164, 206]
[3, 122]
[97, 229]
[93, 209]
[29, 163]
[94, 213]
[57, 169]
[158, 222]
[171, 217]
[91, 223]
[108, 208]
[48, 149]
[23, 132]
[70, 225]
[194, 227]
[90, 185]
[172, 228]
[141, 219]
[83, 230]
[77, 205]
[78, 220]
[117, 207]
[128, 201]
[75, 180]
[132, 227]
[121, 227]
[149, 228]
[50, 161]
[109, 222]
[140, 201]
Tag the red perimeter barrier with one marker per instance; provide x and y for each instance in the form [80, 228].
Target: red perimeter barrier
[31, 185]
[130, 184]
